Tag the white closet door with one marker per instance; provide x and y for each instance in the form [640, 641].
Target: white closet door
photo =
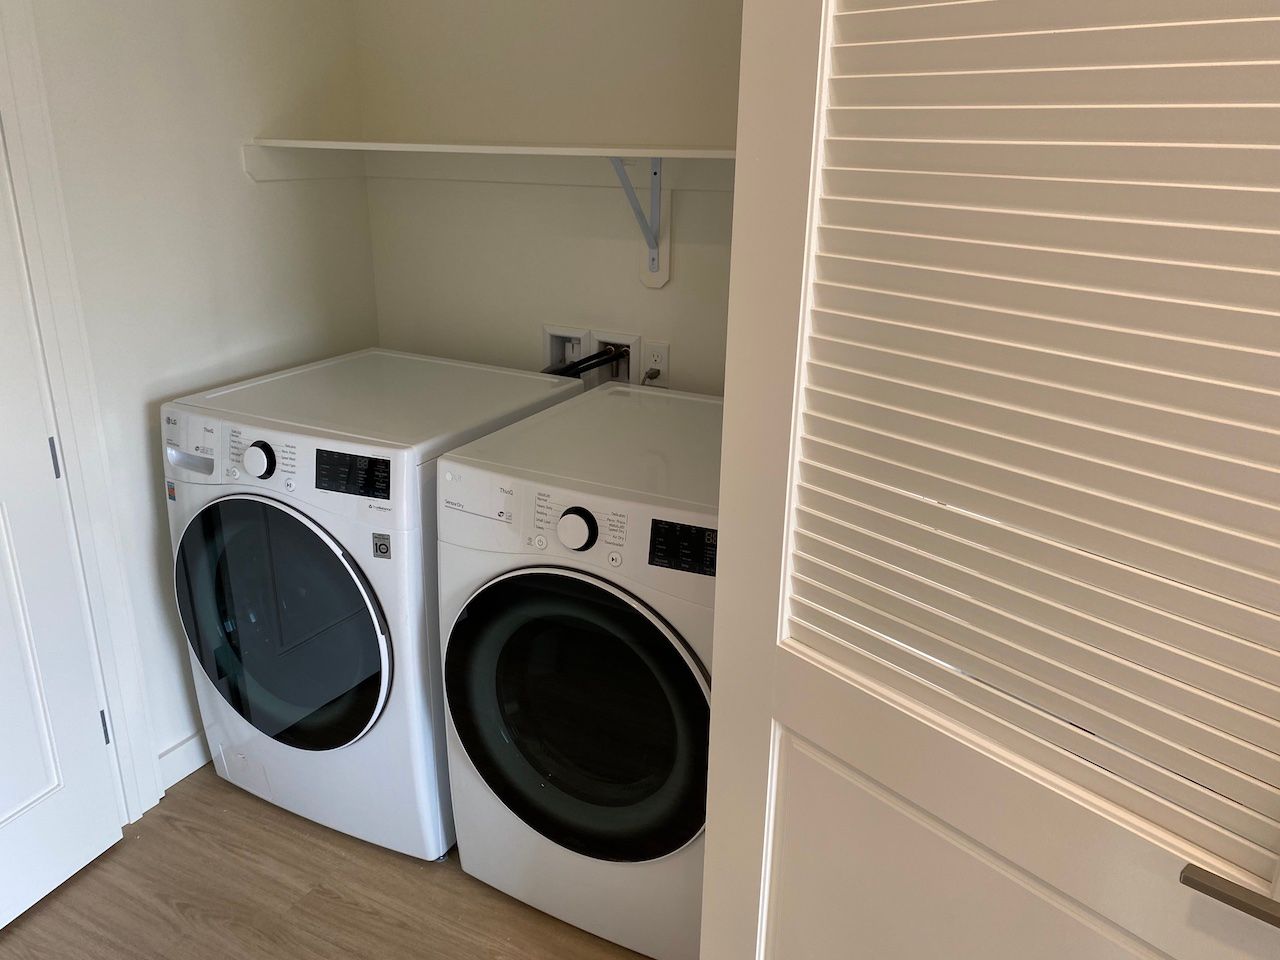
[58, 799]
[1007, 286]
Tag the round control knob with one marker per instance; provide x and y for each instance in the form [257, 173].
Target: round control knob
[577, 529]
[260, 459]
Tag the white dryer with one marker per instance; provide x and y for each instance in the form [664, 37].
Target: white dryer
[577, 583]
[299, 505]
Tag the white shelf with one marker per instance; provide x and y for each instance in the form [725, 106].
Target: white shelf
[505, 149]
[267, 159]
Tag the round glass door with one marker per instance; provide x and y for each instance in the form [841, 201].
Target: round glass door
[282, 622]
[584, 713]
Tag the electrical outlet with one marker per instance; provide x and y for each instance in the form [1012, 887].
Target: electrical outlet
[657, 356]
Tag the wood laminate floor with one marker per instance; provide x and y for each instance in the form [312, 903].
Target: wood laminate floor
[215, 873]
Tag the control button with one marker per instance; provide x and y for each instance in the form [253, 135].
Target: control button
[540, 542]
[290, 485]
[235, 474]
[259, 459]
[615, 559]
[577, 529]
[448, 475]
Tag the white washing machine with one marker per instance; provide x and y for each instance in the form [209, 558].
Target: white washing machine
[577, 581]
[299, 505]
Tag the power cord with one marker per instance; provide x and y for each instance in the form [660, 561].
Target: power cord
[653, 373]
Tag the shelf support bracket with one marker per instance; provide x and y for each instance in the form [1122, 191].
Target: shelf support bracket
[650, 226]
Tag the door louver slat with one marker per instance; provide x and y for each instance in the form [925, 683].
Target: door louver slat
[1038, 474]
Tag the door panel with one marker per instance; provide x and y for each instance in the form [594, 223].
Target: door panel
[874, 791]
[971, 897]
[284, 624]
[1107, 862]
[58, 797]
[22, 709]
[583, 711]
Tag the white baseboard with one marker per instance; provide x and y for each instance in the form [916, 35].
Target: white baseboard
[182, 759]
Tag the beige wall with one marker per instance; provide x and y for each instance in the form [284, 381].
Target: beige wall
[473, 270]
[190, 273]
[550, 71]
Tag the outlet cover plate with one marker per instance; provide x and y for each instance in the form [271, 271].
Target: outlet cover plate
[555, 340]
[603, 338]
[656, 354]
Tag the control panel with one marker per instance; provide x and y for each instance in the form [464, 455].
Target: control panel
[352, 479]
[353, 474]
[259, 459]
[579, 524]
[251, 455]
[577, 529]
[683, 546]
[672, 549]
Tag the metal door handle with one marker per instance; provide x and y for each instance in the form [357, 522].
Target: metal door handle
[1232, 894]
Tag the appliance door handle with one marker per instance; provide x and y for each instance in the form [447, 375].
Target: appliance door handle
[1232, 894]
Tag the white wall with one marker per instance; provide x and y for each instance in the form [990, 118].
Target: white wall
[550, 71]
[190, 274]
[473, 270]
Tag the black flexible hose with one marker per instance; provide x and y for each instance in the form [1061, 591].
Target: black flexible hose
[578, 367]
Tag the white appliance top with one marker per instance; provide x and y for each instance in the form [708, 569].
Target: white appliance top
[386, 396]
[642, 440]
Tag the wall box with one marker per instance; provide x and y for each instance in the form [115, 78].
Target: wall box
[647, 175]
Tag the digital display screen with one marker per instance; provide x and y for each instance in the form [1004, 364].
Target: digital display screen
[353, 474]
[682, 546]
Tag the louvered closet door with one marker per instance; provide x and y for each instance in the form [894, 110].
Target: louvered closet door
[1032, 594]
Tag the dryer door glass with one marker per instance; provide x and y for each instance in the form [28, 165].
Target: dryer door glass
[282, 622]
[584, 713]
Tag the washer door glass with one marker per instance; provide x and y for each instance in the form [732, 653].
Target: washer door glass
[282, 622]
[584, 713]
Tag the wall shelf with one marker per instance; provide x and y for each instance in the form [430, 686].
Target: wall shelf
[266, 159]
[506, 149]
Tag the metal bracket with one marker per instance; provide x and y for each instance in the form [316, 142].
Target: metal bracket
[650, 226]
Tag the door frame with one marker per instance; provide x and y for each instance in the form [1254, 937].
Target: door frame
[778, 136]
[28, 133]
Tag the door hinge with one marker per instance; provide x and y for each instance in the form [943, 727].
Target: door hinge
[53, 454]
[106, 734]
